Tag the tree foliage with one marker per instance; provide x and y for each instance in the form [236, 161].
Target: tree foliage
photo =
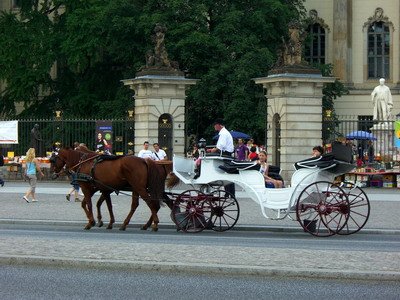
[93, 44]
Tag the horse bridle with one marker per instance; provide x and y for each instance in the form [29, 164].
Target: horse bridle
[71, 170]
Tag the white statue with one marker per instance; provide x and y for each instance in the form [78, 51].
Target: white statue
[382, 100]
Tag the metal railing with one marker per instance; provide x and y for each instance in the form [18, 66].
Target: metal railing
[380, 132]
[68, 131]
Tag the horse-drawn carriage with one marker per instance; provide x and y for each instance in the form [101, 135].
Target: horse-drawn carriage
[320, 206]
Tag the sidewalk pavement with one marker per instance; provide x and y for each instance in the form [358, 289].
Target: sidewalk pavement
[52, 208]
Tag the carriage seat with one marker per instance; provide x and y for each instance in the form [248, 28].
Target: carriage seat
[233, 167]
[340, 160]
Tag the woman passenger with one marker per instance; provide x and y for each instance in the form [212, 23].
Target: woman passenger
[269, 181]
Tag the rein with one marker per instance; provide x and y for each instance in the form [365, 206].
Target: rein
[83, 161]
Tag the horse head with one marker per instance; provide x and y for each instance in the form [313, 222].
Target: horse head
[64, 161]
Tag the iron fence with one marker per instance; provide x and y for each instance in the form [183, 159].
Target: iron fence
[68, 131]
[381, 133]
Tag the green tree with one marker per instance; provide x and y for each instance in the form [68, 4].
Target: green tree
[96, 43]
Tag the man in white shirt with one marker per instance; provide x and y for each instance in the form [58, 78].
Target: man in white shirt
[159, 154]
[225, 141]
[145, 152]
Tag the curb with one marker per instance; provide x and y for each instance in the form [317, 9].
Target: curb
[198, 268]
[169, 226]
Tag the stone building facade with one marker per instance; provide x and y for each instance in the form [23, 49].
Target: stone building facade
[361, 38]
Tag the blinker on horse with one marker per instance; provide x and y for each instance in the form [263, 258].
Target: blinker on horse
[128, 173]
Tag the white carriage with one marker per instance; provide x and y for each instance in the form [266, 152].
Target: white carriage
[321, 207]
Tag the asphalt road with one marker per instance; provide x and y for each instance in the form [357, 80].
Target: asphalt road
[31, 282]
[49, 233]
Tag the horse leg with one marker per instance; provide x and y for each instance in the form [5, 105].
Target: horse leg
[110, 211]
[154, 207]
[153, 221]
[87, 207]
[134, 206]
[148, 224]
[98, 205]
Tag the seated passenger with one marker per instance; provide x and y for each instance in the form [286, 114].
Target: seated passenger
[317, 151]
[269, 181]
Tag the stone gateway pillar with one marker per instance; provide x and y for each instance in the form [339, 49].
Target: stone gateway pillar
[160, 111]
[160, 93]
[294, 117]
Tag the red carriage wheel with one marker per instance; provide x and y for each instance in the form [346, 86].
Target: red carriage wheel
[188, 211]
[222, 210]
[322, 209]
[359, 209]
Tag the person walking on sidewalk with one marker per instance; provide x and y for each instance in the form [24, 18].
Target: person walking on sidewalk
[1, 164]
[32, 167]
[74, 182]
[75, 189]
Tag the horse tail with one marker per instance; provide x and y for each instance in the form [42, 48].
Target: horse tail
[172, 180]
[155, 186]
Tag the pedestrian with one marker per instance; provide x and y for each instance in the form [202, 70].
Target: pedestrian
[1, 164]
[145, 152]
[241, 150]
[75, 188]
[31, 169]
[74, 181]
[159, 154]
[371, 152]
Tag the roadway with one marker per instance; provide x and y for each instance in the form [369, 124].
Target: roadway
[50, 233]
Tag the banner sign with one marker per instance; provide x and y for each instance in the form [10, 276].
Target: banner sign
[8, 132]
[397, 134]
[103, 137]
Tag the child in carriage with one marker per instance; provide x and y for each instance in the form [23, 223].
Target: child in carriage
[269, 181]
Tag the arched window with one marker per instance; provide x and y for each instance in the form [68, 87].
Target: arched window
[378, 50]
[315, 47]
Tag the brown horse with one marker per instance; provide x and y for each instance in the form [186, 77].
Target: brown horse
[109, 174]
[165, 171]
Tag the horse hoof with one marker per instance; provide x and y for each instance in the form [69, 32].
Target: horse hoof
[144, 227]
[109, 226]
[100, 224]
[87, 227]
[122, 228]
[154, 229]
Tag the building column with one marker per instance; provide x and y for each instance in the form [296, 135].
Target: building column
[342, 47]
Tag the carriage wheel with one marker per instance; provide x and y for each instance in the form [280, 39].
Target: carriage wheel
[359, 209]
[322, 209]
[222, 210]
[188, 211]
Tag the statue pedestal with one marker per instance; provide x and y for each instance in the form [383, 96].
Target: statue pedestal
[294, 117]
[384, 139]
[160, 111]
